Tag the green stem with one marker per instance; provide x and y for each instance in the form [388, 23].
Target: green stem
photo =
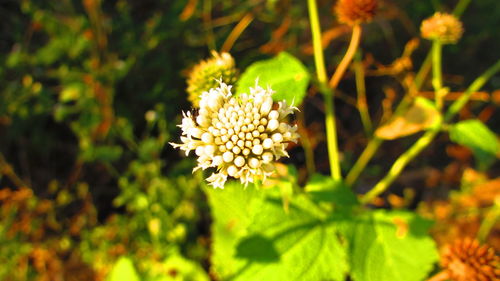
[437, 74]
[474, 87]
[427, 138]
[375, 142]
[460, 7]
[363, 159]
[331, 131]
[489, 221]
[399, 165]
[426, 65]
[306, 143]
[359, 73]
[372, 146]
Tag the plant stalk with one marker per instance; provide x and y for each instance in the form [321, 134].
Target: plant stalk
[437, 74]
[236, 32]
[363, 159]
[331, 131]
[489, 221]
[361, 90]
[7, 170]
[427, 138]
[375, 142]
[346, 60]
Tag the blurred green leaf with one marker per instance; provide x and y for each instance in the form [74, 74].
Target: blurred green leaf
[479, 138]
[285, 74]
[105, 153]
[391, 246]
[179, 268]
[71, 92]
[123, 270]
[256, 239]
[326, 189]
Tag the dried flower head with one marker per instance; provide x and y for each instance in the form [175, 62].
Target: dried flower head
[203, 75]
[355, 11]
[443, 27]
[466, 260]
[238, 136]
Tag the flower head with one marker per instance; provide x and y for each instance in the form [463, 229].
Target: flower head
[355, 11]
[203, 76]
[238, 136]
[443, 27]
[466, 260]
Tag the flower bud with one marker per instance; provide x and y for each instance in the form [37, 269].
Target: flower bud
[204, 75]
[443, 27]
[353, 12]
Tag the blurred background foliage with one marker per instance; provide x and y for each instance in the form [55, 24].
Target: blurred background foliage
[91, 92]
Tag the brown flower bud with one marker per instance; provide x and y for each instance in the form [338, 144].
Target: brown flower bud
[466, 260]
[353, 12]
[443, 27]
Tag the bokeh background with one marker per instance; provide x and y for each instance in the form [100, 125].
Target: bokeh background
[91, 92]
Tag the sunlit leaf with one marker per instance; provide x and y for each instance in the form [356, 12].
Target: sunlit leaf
[391, 246]
[420, 116]
[479, 138]
[326, 189]
[285, 74]
[123, 270]
[256, 239]
[179, 268]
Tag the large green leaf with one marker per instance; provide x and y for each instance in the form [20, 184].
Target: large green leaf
[233, 209]
[476, 136]
[285, 74]
[391, 246]
[255, 239]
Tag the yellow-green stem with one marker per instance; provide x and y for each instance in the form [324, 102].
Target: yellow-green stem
[207, 22]
[489, 221]
[427, 138]
[426, 65]
[363, 159]
[399, 165]
[359, 72]
[331, 131]
[375, 142]
[437, 75]
[474, 87]
[372, 147]
[306, 144]
[460, 7]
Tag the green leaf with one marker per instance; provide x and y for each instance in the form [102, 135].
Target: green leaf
[123, 270]
[105, 153]
[255, 239]
[326, 189]
[476, 136]
[285, 74]
[233, 209]
[391, 246]
[179, 268]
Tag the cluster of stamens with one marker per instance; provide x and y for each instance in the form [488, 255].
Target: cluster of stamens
[239, 136]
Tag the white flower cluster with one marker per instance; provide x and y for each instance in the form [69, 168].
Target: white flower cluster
[239, 136]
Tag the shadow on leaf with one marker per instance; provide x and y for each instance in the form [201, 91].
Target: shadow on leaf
[257, 249]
